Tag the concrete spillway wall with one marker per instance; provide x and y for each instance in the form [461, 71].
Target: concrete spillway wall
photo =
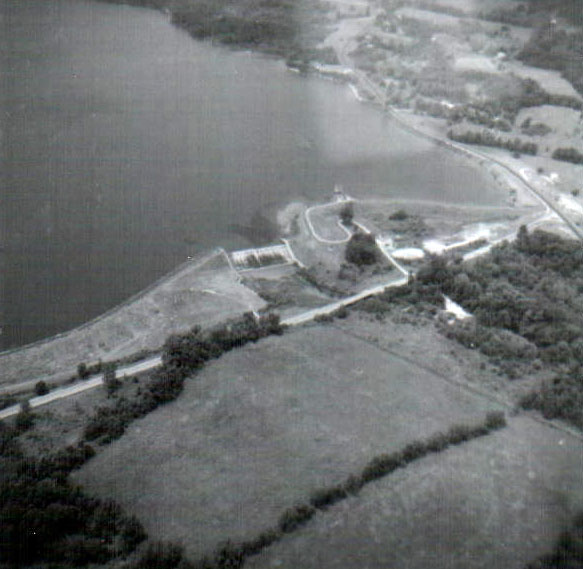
[257, 258]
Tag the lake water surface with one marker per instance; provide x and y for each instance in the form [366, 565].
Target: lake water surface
[128, 146]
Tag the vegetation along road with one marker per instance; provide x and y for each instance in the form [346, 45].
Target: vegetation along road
[156, 361]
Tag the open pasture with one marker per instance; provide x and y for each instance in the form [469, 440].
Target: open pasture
[499, 501]
[258, 430]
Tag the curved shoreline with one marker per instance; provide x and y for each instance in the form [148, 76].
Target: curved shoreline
[469, 153]
[172, 304]
[399, 121]
[204, 257]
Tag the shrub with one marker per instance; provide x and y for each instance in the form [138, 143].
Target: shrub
[46, 521]
[263, 540]
[341, 312]
[437, 442]
[160, 555]
[495, 420]
[82, 371]
[568, 550]
[108, 423]
[80, 550]
[110, 381]
[323, 318]
[347, 213]
[7, 401]
[459, 434]
[295, 517]
[41, 388]
[9, 446]
[327, 496]
[229, 556]
[381, 466]
[352, 484]
[568, 155]
[64, 461]
[361, 249]
[132, 534]
[25, 418]
[399, 215]
[561, 398]
[413, 451]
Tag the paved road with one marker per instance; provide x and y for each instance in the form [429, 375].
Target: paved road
[82, 386]
[156, 361]
[378, 93]
[332, 307]
[313, 229]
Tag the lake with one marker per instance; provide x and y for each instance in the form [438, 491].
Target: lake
[127, 146]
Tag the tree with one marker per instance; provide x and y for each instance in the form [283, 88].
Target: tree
[110, 380]
[82, 370]
[522, 237]
[362, 249]
[347, 213]
[41, 388]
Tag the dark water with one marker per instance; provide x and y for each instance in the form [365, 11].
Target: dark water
[128, 146]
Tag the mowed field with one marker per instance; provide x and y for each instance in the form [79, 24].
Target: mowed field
[262, 427]
[256, 431]
[499, 501]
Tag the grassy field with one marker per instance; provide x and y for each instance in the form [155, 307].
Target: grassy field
[261, 428]
[499, 501]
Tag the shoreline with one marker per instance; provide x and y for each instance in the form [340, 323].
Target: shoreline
[483, 160]
[142, 323]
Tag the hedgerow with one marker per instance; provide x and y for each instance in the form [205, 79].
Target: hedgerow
[233, 555]
[183, 354]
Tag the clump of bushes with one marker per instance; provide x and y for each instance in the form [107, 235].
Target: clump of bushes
[45, 519]
[183, 354]
[384, 464]
[295, 517]
[568, 155]
[487, 138]
[362, 249]
[560, 398]
[61, 463]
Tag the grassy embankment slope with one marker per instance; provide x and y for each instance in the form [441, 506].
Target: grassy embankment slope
[203, 291]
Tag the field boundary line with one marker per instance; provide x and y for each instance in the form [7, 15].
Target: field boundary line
[475, 390]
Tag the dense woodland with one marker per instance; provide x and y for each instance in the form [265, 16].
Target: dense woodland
[288, 28]
[527, 300]
[551, 46]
